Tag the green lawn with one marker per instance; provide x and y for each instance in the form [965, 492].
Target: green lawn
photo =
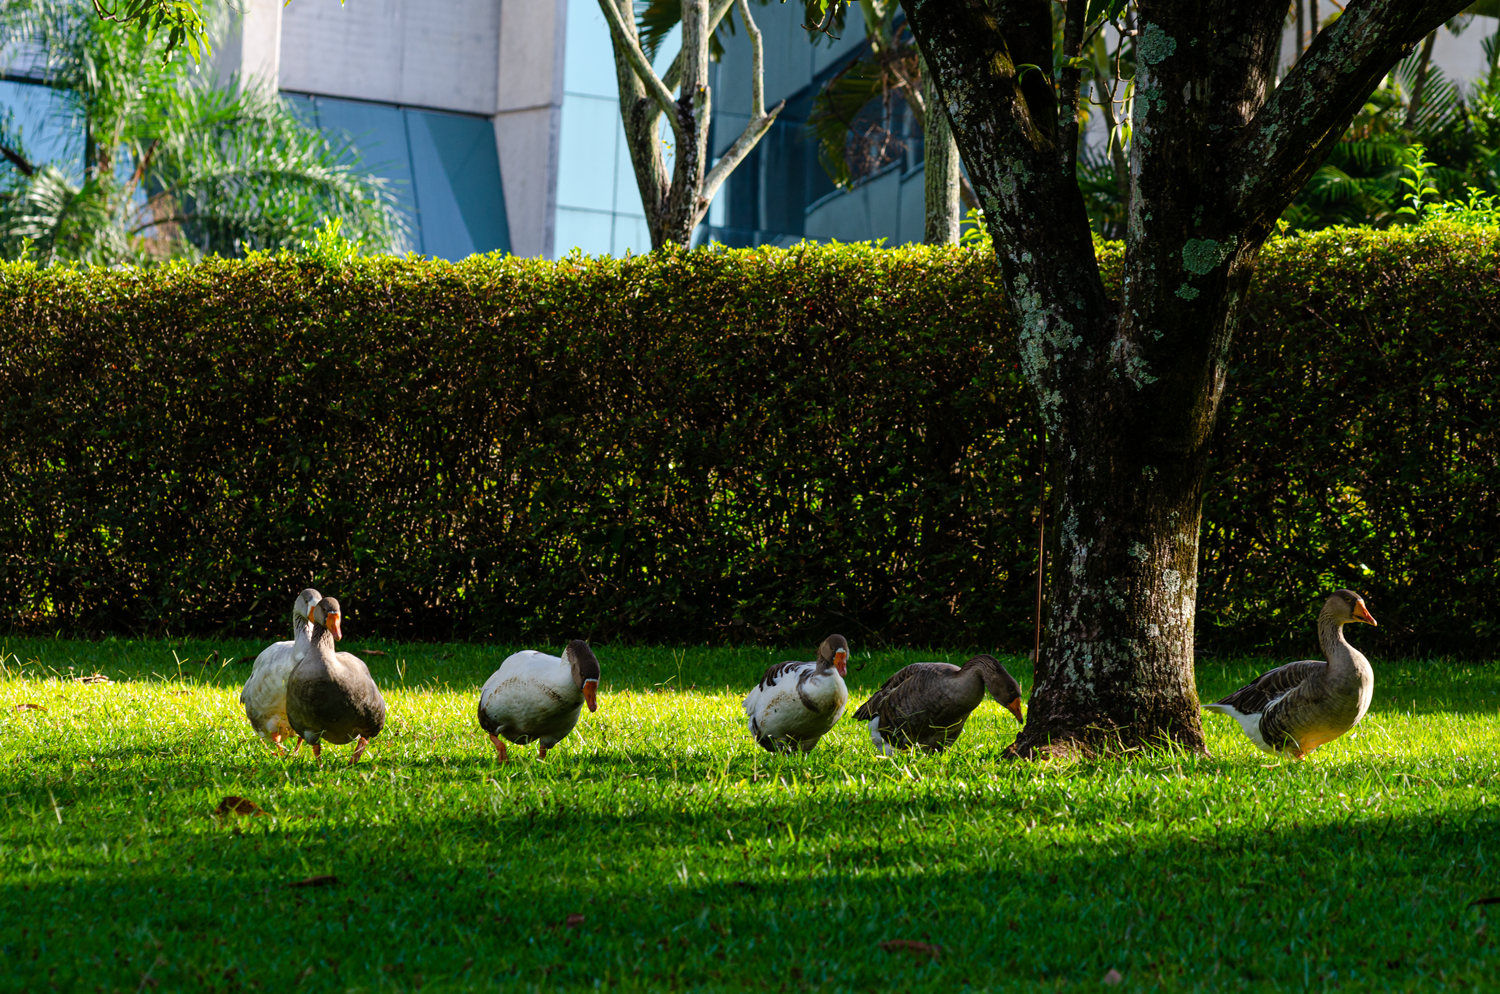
[658, 849]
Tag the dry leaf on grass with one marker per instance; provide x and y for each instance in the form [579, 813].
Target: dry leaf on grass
[232, 805]
[326, 880]
[28, 706]
[912, 946]
[375, 652]
[92, 678]
[1113, 977]
[574, 920]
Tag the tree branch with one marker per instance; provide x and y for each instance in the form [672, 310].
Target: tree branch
[18, 160]
[760, 121]
[673, 78]
[1294, 131]
[1067, 85]
[1004, 118]
[626, 41]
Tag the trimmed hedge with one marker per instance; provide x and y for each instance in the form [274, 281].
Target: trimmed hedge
[735, 445]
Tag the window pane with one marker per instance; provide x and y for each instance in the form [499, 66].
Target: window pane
[587, 230]
[459, 196]
[379, 134]
[586, 164]
[43, 121]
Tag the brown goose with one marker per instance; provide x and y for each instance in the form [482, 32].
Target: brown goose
[926, 704]
[796, 703]
[330, 695]
[1295, 708]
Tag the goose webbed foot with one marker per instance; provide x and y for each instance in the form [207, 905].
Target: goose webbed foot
[541, 752]
[359, 750]
[499, 747]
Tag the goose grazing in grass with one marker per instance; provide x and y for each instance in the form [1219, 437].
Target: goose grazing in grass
[330, 695]
[537, 697]
[1295, 708]
[926, 704]
[796, 703]
[264, 696]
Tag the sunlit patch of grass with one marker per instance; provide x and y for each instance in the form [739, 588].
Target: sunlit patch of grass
[658, 847]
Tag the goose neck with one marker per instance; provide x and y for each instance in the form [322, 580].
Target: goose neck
[1336, 649]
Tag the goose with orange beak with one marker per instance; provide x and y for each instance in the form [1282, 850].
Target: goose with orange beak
[1295, 708]
[796, 703]
[330, 695]
[534, 697]
[264, 694]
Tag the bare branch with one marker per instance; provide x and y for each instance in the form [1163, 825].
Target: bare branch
[673, 78]
[625, 38]
[760, 121]
[1292, 133]
[18, 160]
[757, 64]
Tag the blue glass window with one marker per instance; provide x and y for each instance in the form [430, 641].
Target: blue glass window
[443, 169]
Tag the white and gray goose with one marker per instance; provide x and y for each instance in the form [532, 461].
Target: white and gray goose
[795, 704]
[330, 696]
[534, 697]
[264, 694]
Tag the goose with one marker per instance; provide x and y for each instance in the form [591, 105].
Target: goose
[926, 704]
[1295, 708]
[330, 695]
[534, 696]
[796, 703]
[264, 694]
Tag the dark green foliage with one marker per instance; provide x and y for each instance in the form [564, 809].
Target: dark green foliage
[681, 446]
[1361, 441]
[709, 446]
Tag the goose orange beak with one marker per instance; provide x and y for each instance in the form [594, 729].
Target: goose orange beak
[1015, 709]
[590, 694]
[1362, 613]
[333, 625]
[841, 662]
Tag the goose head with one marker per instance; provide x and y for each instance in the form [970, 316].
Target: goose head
[1002, 686]
[585, 666]
[302, 607]
[834, 652]
[1346, 606]
[326, 614]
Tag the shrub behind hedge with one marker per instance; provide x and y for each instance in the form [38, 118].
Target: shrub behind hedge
[764, 444]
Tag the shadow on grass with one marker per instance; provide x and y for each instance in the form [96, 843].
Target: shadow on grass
[485, 901]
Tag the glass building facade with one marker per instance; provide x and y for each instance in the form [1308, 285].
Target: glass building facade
[442, 168]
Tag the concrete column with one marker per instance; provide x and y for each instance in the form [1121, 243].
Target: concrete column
[528, 118]
[252, 46]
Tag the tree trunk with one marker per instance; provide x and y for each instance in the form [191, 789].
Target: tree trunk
[940, 169]
[1129, 389]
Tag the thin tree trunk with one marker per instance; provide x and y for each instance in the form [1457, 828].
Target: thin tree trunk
[675, 204]
[1129, 387]
[1301, 31]
[940, 168]
[1414, 105]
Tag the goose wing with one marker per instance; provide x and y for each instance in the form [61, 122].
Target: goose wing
[904, 685]
[774, 675]
[1268, 688]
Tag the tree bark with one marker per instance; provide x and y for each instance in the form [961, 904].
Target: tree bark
[940, 166]
[1129, 389]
